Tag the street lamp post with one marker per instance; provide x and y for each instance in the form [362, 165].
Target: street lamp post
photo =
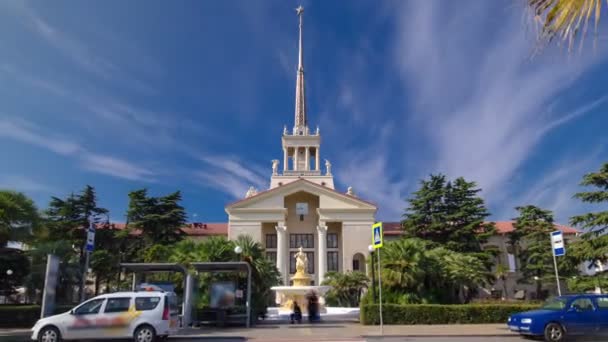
[238, 250]
[370, 248]
[9, 273]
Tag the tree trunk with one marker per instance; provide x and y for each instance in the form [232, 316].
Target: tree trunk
[504, 287]
[97, 284]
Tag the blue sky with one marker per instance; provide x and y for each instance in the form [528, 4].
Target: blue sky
[193, 95]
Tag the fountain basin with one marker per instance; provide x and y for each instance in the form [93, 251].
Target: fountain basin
[286, 295]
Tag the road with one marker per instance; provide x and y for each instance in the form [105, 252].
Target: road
[371, 339]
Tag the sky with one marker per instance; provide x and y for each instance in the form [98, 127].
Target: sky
[193, 96]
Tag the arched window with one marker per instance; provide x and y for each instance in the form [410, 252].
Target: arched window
[358, 262]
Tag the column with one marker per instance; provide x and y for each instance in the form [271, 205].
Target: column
[295, 158]
[285, 159]
[282, 252]
[317, 156]
[307, 158]
[322, 257]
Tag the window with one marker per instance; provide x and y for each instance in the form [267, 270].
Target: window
[272, 257]
[271, 240]
[511, 261]
[311, 262]
[582, 304]
[356, 265]
[90, 307]
[602, 303]
[146, 303]
[332, 240]
[332, 261]
[117, 305]
[301, 240]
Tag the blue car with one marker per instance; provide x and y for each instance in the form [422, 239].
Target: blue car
[571, 315]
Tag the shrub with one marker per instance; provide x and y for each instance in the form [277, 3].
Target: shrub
[23, 316]
[440, 314]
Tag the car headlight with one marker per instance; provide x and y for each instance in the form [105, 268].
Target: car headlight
[509, 319]
[526, 320]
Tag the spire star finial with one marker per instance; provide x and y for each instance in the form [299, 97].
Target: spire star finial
[299, 10]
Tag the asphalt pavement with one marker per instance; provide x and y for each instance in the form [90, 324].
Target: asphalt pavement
[369, 339]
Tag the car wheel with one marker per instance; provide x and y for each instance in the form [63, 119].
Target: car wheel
[554, 332]
[145, 333]
[49, 334]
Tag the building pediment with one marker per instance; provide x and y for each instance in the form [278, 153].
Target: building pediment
[274, 197]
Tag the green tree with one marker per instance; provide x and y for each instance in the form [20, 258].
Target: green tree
[17, 262]
[450, 214]
[346, 288]
[218, 248]
[500, 272]
[67, 220]
[18, 217]
[418, 271]
[565, 19]
[593, 245]
[159, 219]
[68, 275]
[532, 239]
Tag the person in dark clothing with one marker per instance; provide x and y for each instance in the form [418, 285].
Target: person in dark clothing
[313, 312]
[297, 313]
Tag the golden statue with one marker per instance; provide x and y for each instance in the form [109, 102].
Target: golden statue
[301, 261]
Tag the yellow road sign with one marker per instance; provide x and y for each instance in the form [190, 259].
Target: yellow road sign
[377, 237]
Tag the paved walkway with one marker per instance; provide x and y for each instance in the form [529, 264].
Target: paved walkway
[326, 331]
[345, 331]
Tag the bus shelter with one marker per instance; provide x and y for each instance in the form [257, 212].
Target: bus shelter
[236, 266]
[139, 268]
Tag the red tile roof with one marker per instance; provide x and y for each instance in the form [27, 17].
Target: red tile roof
[390, 228]
[502, 227]
[191, 229]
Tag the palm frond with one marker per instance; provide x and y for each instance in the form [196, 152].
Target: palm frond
[566, 20]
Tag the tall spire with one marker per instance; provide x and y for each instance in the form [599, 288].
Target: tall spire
[301, 123]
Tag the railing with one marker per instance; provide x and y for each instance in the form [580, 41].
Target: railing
[302, 173]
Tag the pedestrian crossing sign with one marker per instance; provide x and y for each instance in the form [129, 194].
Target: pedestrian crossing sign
[377, 235]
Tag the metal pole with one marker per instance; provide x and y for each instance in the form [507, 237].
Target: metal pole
[248, 296]
[84, 276]
[559, 290]
[380, 293]
[373, 279]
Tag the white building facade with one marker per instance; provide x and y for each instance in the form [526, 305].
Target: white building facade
[302, 208]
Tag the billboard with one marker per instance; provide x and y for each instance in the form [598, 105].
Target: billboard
[222, 294]
[50, 285]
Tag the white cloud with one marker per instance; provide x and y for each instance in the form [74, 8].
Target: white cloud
[25, 132]
[72, 48]
[477, 96]
[368, 171]
[231, 176]
[115, 167]
[555, 189]
[24, 184]
[28, 133]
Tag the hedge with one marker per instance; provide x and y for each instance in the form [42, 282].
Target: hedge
[23, 316]
[440, 314]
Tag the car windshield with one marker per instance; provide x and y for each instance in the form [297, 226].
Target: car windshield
[555, 304]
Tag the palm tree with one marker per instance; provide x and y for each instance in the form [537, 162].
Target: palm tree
[346, 287]
[565, 19]
[403, 264]
[417, 271]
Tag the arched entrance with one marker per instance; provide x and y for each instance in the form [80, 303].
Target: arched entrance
[359, 262]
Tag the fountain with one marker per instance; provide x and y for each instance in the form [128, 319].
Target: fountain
[300, 288]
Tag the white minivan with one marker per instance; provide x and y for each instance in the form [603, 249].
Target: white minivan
[143, 316]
